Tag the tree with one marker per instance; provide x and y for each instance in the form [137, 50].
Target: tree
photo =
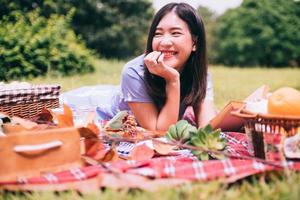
[210, 22]
[264, 33]
[114, 28]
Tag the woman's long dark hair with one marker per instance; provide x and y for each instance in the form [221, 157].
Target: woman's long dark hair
[193, 78]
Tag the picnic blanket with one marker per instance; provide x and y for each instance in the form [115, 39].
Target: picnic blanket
[182, 167]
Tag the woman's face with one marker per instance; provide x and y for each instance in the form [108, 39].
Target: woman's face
[173, 38]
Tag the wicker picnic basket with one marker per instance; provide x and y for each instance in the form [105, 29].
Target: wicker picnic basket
[267, 132]
[26, 100]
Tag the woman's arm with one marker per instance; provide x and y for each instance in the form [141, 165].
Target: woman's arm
[150, 118]
[147, 114]
[205, 112]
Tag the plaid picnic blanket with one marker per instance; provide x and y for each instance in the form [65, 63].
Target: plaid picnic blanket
[27, 93]
[179, 167]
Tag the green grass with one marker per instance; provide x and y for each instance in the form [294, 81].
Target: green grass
[107, 72]
[229, 84]
[238, 83]
[274, 186]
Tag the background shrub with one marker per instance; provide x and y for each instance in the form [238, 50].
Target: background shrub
[32, 45]
[260, 33]
[114, 29]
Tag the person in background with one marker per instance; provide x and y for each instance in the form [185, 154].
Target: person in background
[172, 74]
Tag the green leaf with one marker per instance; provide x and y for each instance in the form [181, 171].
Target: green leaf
[196, 152]
[207, 128]
[202, 136]
[204, 156]
[196, 141]
[216, 133]
[207, 139]
[220, 145]
[172, 132]
[169, 136]
[181, 125]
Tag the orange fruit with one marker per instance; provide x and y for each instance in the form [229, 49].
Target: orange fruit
[284, 101]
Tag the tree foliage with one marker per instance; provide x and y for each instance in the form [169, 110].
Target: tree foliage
[264, 33]
[114, 28]
[31, 45]
[210, 22]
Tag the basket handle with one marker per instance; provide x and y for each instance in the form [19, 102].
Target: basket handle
[37, 147]
[239, 113]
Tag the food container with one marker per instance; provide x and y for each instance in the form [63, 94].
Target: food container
[266, 133]
[26, 100]
[33, 153]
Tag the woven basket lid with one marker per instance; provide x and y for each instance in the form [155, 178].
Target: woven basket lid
[22, 92]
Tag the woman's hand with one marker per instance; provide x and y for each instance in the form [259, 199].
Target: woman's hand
[147, 114]
[155, 64]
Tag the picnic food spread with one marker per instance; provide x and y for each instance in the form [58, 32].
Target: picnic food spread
[125, 125]
[121, 146]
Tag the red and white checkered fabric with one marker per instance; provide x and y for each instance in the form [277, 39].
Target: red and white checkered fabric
[26, 93]
[181, 167]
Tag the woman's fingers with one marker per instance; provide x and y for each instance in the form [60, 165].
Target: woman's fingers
[154, 61]
[160, 58]
[151, 58]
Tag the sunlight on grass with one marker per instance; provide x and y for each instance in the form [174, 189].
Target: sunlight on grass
[275, 185]
[238, 83]
[107, 72]
[229, 83]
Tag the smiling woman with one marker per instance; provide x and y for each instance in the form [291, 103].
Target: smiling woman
[158, 86]
[173, 41]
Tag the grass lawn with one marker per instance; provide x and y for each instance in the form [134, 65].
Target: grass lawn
[229, 84]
